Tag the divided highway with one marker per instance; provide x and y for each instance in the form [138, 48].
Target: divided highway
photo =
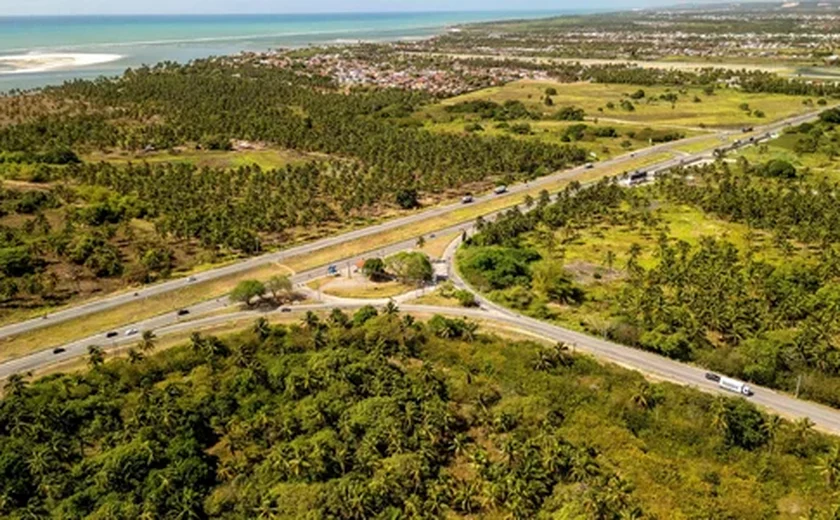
[215, 312]
[116, 300]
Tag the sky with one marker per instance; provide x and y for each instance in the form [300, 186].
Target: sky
[77, 7]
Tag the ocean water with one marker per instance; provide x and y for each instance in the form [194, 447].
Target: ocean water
[38, 51]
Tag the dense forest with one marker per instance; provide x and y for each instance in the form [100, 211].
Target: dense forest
[378, 416]
[761, 306]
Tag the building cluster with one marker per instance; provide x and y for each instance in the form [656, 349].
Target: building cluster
[351, 68]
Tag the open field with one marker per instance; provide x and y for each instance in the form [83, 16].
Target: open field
[359, 287]
[266, 159]
[628, 137]
[719, 110]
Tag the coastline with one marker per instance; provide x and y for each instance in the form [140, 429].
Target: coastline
[45, 62]
[42, 51]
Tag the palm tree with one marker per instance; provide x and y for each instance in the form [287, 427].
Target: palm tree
[720, 422]
[391, 308]
[771, 428]
[469, 330]
[196, 342]
[261, 328]
[95, 356]
[311, 320]
[829, 466]
[338, 318]
[643, 396]
[134, 357]
[802, 428]
[15, 385]
[147, 344]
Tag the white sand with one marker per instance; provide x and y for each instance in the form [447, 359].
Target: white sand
[28, 63]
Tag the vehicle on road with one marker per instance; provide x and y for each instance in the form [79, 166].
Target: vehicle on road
[131, 332]
[588, 166]
[192, 279]
[183, 312]
[59, 350]
[333, 269]
[711, 376]
[500, 189]
[733, 385]
[285, 309]
[112, 334]
[466, 199]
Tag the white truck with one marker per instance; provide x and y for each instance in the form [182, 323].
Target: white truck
[733, 385]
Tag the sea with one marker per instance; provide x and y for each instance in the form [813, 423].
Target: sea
[36, 51]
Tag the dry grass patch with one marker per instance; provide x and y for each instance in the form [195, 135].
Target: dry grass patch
[72, 330]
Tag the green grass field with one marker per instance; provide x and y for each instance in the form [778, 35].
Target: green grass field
[266, 159]
[714, 111]
[552, 132]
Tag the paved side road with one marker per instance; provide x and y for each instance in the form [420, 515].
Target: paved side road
[250, 263]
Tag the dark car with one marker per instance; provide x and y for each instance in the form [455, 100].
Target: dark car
[285, 309]
[712, 377]
[58, 350]
[112, 334]
[183, 312]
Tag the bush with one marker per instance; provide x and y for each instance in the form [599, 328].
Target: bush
[778, 168]
[246, 290]
[410, 267]
[551, 91]
[466, 298]
[374, 269]
[406, 198]
[569, 113]
[16, 261]
[492, 268]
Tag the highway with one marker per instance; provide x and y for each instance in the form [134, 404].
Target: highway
[129, 296]
[219, 311]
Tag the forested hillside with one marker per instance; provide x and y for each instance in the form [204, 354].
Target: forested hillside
[379, 416]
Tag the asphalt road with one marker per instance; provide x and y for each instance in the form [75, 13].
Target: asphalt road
[825, 418]
[653, 365]
[122, 298]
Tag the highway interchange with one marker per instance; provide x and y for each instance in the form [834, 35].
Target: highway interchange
[220, 311]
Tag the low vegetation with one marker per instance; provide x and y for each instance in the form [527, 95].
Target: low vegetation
[378, 416]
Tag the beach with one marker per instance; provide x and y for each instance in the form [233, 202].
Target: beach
[38, 51]
[30, 63]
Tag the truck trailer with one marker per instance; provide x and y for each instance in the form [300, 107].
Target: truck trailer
[733, 385]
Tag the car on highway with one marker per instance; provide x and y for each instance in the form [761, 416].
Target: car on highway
[466, 199]
[131, 332]
[59, 350]
[191, 279]
[711, 376]
[588, 166]
[500, 189]
[285, 309]
[183, 312]
[112, 334]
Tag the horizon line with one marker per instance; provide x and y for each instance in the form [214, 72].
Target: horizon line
[304, 13]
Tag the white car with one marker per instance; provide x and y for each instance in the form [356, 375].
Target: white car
[131, 332]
